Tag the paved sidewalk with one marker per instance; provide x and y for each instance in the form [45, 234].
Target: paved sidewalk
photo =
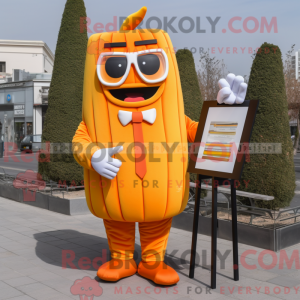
[33, 242]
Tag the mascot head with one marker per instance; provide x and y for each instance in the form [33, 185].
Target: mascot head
[131, 68]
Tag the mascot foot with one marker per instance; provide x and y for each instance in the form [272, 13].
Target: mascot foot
[159, 273]
[116, 269]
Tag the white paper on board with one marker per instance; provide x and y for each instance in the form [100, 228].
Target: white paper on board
[221, 138]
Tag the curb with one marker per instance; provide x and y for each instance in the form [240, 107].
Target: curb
[69, 207]
[265, 238]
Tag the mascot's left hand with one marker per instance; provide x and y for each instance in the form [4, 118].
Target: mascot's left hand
[232, 90]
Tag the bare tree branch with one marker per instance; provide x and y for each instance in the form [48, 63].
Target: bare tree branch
[209, 73]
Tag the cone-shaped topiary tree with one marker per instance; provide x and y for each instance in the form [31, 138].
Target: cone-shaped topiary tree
[65, 96]
[190, 88]
[270, 174]
[189, 83]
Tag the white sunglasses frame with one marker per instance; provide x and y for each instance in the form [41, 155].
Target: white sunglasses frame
[132, 59]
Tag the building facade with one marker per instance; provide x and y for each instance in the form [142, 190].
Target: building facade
[23, 105]
[25, 77]
[32, 56]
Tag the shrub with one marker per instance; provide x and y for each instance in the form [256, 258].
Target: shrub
[64, 111]
[270, 174]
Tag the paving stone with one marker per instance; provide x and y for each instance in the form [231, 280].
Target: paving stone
[285, 281]
[19, 281]
[44, 276]
[24, 297]
[9, 292]
[9, 275]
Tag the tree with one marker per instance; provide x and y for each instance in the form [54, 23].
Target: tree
[190, 87]
[210, 72]
[270, 174]
[65, 96]
[189, 83]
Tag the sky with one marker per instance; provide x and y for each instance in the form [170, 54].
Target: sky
[40, 20]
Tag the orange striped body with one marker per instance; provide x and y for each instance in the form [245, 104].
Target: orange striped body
[163, 192]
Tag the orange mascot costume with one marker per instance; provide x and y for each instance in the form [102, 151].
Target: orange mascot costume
[132, 144]
[132, 97]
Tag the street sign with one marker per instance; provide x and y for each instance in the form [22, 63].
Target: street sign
[19, 109]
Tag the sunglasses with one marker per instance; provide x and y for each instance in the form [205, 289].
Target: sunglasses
[113, 67]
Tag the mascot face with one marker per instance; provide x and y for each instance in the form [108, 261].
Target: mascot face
[135, 70]
[133, 64]
[148, 68]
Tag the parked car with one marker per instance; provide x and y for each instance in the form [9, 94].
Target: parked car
[31, 143]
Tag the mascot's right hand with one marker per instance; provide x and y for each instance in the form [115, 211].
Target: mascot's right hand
[104, 164]
[232, 90]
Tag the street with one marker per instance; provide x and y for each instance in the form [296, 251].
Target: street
[18, 162]
[297, 165]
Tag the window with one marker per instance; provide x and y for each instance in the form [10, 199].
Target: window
[29, 128]
[2, 66]
[37, 138]
[26, 139]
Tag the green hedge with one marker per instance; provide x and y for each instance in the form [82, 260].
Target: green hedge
[270, 174]
[189, 83]
[65, 96]
[190, 88]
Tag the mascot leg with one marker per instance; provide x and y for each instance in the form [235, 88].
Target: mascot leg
[121, 240]
[154, 238]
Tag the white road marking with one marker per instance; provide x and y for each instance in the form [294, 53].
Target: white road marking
[19, 154]
[12, 168]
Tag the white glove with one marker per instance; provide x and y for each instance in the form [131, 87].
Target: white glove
[104, 164]
[232, 90]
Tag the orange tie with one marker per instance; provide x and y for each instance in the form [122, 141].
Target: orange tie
[140, 161]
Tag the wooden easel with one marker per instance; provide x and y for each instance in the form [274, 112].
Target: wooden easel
[214, 228]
